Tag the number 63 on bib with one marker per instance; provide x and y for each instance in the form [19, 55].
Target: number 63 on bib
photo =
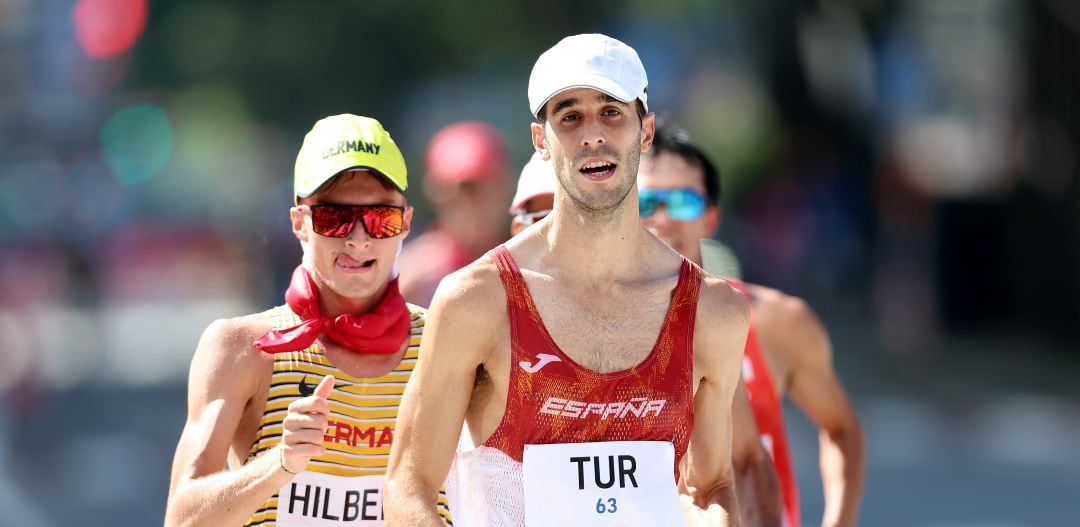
[606, 484]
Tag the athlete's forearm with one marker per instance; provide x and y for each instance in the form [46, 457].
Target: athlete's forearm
[842, 459]
[229, 497]
[410, 515]
[405, 507]
[719, 507]
[758, 490]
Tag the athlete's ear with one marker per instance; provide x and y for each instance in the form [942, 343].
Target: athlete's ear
[539, 140]
[712, 218]
[297, 218]
[648, 130]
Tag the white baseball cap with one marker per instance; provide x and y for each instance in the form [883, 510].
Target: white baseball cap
[588, 61]
[537, 179]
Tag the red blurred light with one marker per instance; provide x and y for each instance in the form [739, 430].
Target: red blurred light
[106, 28]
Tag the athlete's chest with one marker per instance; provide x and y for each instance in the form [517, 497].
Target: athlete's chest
[604, 330]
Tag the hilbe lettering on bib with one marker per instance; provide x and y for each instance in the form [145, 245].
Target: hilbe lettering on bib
[607, 484]
[313, 499]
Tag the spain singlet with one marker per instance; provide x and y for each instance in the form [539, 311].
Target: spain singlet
[553, 400]
[769, 416]
[344, 486]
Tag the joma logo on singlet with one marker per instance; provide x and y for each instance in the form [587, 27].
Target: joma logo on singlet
[636, 407]
[542, 359]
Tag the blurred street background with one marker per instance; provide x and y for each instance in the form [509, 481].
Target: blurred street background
[910, 168]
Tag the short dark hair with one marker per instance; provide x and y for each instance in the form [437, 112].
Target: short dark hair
[675, 141]
[541, 116]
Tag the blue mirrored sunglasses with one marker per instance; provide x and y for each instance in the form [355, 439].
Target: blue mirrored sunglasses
[682, 204]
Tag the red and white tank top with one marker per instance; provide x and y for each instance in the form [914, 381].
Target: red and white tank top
[769, 416]
[552, 399]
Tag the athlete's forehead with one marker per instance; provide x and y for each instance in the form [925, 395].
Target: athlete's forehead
[579, 97]
[357, 187]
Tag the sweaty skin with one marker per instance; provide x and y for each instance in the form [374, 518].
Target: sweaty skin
[229, 378]
[758, 487]
[572, 262]
[795, 344]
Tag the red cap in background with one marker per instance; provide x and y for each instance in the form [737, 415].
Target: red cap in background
[466, 151]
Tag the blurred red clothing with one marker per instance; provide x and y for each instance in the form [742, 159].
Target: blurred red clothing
[426, 260]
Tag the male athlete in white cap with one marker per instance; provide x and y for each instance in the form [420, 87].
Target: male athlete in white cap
[593, 366]
[758, 481]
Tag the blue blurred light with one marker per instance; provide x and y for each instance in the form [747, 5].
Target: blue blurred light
[137, 142]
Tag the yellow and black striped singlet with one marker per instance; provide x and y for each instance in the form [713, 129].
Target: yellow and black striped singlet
[362, 410]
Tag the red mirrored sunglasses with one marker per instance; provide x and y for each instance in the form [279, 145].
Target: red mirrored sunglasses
[336, 221]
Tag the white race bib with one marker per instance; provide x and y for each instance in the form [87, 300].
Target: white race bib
[607, 484]
[314, 499]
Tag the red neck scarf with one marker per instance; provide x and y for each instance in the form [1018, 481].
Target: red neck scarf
[380, 331]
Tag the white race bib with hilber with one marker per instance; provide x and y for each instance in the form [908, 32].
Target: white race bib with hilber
[607, 484]
[314, 499]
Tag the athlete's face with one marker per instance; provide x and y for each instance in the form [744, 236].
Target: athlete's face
[667, 171]
[357, 266]
[594, 143]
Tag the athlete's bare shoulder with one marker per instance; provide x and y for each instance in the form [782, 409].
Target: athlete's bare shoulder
[788, 326]
[227, 346]
[723, 319]
[468, 313]
[721, 305]
[238, 334]
[475, 286]
[773, 307]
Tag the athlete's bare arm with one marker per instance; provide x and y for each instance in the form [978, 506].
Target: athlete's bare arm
[719, 338]
[226, 373]
[461, 331]
[791, 329]
[757, 486]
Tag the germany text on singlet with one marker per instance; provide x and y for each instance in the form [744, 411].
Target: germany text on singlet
[344, 486]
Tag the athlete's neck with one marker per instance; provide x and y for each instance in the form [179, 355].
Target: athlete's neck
[332, 304]
[362, 365]
[598, 249]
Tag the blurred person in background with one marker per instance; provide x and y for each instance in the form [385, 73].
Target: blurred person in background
[299, 402]
[467, 182]
[787, 351]
[535, 195]
[757, 485]
[582, 339]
